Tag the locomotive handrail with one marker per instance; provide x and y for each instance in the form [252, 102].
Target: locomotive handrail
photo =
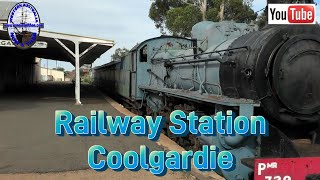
[194, 61]
[197, 55]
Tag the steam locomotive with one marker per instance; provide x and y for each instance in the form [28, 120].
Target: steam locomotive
[272, 72]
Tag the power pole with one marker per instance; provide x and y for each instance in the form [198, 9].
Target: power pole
[47, 70]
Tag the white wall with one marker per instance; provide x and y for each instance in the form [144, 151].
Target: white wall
[50, 74]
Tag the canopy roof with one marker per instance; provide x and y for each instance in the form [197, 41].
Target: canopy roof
[91, 48]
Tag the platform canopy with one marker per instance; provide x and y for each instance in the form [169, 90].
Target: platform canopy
[78, 50]
[61, 47]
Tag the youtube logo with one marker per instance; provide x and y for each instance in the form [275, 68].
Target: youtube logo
[291, 14]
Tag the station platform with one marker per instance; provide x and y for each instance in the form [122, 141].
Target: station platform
[28, 143]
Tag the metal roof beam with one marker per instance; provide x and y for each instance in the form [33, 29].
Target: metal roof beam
[87, 50]
[65, 47]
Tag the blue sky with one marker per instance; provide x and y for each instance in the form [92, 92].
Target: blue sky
[124, 21]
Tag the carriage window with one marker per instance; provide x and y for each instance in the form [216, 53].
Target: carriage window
[144, 54]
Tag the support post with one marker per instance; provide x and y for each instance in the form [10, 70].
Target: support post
[77, 63]
[76, 56]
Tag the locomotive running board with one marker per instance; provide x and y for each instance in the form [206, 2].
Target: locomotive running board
[196, 96]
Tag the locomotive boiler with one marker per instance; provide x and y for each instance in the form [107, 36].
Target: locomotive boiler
[273, 72]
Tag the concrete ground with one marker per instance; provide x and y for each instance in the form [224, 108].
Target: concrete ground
[29, 145]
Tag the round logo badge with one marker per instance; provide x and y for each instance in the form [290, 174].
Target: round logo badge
[23, 25]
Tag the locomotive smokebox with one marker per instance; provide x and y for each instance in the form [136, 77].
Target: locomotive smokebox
[296, 74]
[281, 69]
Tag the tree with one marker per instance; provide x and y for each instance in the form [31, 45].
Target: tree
[159, 9]
[201, 4]
[236, 10]
[119, 53]
[179, 16]
[180, 20]
[262, 19]
[66, 73]
[239, 11]
[59, 69]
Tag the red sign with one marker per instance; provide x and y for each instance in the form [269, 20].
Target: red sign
[286, 168]
[301, 14]
[292, 14]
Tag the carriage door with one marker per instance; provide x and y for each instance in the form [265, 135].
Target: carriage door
[134, 74]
